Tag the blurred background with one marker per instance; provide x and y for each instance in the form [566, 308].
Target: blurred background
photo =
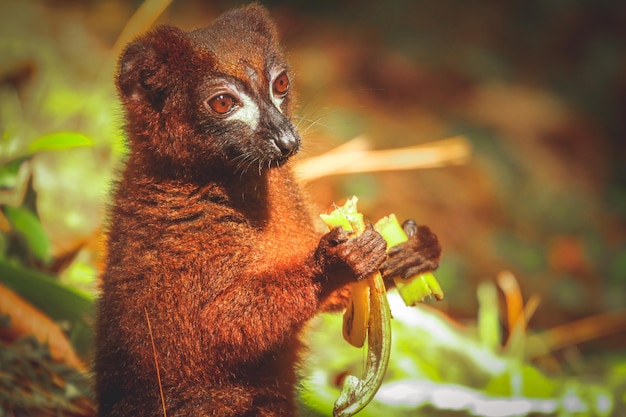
[532, 222]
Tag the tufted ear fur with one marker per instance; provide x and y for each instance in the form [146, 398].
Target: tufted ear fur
[252, 19]
[148, 66]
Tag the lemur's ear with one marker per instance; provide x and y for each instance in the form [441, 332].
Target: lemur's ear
[148, 65]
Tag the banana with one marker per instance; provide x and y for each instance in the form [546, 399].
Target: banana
[368, 314]
[356, 317]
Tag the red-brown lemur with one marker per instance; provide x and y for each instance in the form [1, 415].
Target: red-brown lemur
[213, 265]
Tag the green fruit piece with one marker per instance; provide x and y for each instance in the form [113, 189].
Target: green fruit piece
[418, 287]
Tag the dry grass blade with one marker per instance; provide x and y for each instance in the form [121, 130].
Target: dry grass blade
[452, 151]
[513, 299]
[147, 13]
[579, 331]
[156, 362]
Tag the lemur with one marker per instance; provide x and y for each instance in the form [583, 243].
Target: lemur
[213, 265]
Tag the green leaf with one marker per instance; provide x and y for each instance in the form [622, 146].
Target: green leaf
[533, 383]
[60, 302]
[488, 316]
[29, 226]
[59, 141]
[9, 173]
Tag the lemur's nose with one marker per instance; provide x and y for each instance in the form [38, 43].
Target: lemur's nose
[288, 143]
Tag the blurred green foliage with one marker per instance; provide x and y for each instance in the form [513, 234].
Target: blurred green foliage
[442, 368]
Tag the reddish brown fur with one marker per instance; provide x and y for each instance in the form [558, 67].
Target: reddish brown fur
[226, 264]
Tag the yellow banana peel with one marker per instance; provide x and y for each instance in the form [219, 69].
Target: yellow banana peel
[356, 316]
[368, 314]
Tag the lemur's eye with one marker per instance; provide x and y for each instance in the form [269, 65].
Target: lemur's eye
[222, 104]
[281, 85]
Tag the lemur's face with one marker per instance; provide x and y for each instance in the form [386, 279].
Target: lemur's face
[250, 115]
[246, 97]
[214, 98]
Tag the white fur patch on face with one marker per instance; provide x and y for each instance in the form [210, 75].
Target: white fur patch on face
[278, 101]
[248, 113]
